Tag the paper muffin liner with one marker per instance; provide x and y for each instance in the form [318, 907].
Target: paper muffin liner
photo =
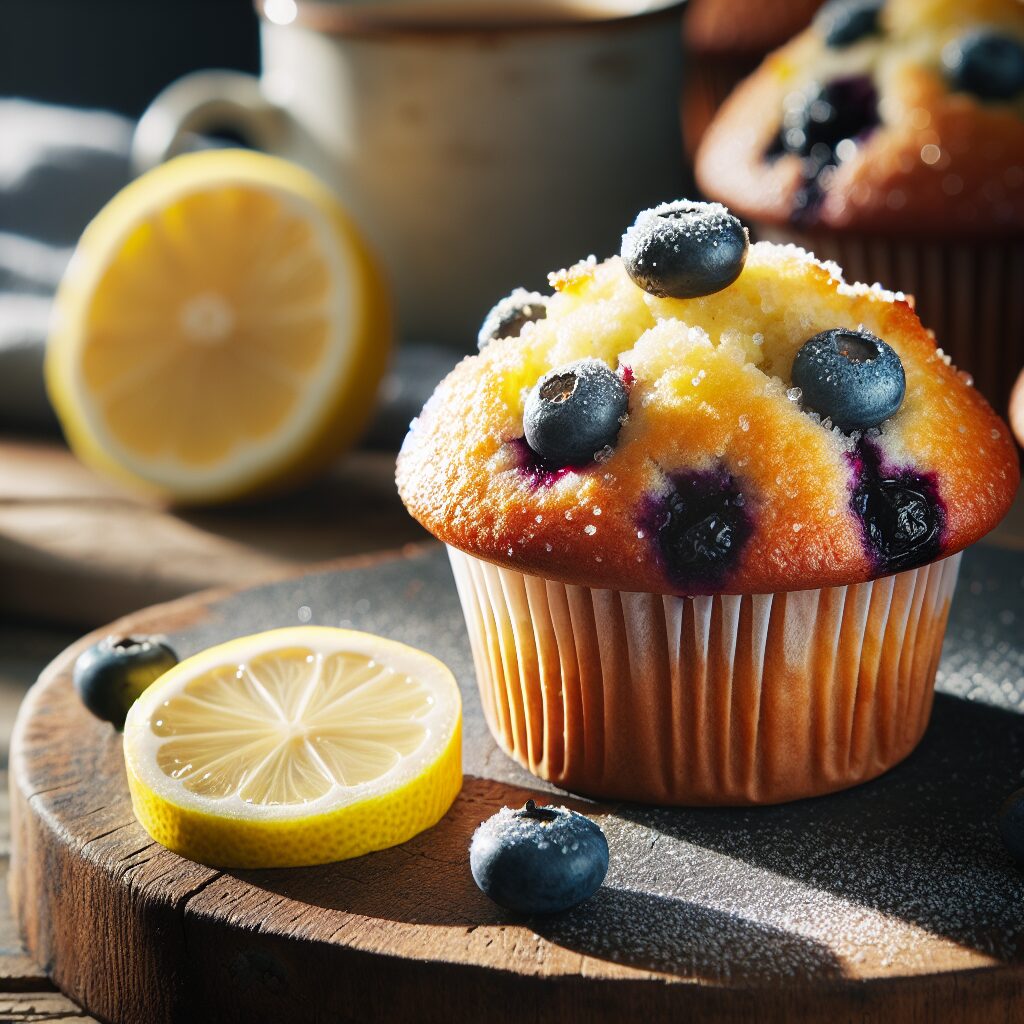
[969, 293]
[746, 699]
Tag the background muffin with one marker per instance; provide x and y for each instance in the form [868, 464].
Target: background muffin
[890, 137]
[724, 41]
[692, 465]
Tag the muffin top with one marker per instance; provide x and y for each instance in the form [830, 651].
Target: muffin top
[696, 416]
[884, 116]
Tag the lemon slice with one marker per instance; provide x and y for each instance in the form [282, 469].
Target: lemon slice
[220, 330]
[296, 746]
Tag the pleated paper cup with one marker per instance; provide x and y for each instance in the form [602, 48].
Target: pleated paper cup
[748, 699]
[969, 293]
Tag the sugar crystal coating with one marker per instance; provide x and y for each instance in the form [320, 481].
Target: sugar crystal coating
[684, 249]
[574, 412]
[713, 415]
[509, 316]
[538, 859]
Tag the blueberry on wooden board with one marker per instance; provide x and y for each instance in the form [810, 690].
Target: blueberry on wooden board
[110, 675]
[538, 860]
[685, 249]
[574, 412]
[850, 377]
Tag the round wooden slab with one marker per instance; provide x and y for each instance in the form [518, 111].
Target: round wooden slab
[892, 902]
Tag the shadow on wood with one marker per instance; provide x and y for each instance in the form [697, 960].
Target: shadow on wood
[921, 851]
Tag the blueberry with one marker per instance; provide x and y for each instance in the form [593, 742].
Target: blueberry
[508, 318]
[685, 249]
[850, 377]
[538, 860]
[901, 516]
[845, 108]
[1011, 825]
[574, 412]
[987, 63]
[842, 22]
[111, 675]
[816, 126]
[701, 527]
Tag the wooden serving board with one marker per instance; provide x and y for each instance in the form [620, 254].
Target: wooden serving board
[893, 902]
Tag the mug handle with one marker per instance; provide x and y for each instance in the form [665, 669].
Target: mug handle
[201, 101]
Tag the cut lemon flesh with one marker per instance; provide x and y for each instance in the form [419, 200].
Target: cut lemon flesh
[296, 746]
[220, 330]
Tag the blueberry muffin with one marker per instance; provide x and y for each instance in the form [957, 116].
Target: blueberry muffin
[889, 136]
[704, 507]
[724, 41]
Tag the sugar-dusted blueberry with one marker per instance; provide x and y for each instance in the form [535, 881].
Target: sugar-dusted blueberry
[901, 515]
[111, 675]
[538, 860]
[701, 526]
[685, 249]
[987, 63]
[844, 22]
[850, 377]
[1011, 825]
[574, 412]
[508, 318]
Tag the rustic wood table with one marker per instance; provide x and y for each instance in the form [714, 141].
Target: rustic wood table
[77, 551]
[962, 949]
[26, 993]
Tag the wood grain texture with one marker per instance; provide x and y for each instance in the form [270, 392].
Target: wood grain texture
[889, 903]
[76, 548]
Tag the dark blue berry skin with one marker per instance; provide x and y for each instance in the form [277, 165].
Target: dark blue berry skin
[986, 63]
[700, 528]
[844, 22]
[850, 377]
[538, 860]
[901, 515]
[508, 318]
[110, 676]
[574, 412]
[685, 249]
[845, 108]
[1011, 825]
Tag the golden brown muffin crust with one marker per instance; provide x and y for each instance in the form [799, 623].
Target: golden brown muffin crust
[708, 395]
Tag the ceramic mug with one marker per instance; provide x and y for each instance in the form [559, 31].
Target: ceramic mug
[477, 143]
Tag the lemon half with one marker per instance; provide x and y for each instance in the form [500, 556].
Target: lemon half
[295, 746]
[220, 330]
